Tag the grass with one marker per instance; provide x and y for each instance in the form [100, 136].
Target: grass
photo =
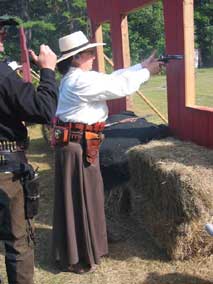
[136, 260]
[155, 90]
[204, 87]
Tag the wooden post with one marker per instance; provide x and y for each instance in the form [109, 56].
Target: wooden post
[175, 70]
[24, 56]
[125, 41]
[126, 54]
[98, 37]
[120, 41]
[189, 55]
[121, 55]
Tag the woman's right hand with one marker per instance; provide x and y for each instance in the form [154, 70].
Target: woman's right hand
[152, 64]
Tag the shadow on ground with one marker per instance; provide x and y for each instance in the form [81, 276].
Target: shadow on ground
[138, 245]
[43, 257]
[174, 278]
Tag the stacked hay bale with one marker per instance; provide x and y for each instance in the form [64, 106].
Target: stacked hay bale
[119, 137]
[172, 195]
[124, 131]
[120, 223]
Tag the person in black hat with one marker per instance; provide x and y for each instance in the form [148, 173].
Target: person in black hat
[20, 102]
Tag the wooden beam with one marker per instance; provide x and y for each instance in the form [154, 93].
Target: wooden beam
[101, 10]
[125, 41]
[188, 19]
[133, 5]
[173, 20]
[25, 61]
[126, 54]
[98, 37]
[121, 54]
[109, 60]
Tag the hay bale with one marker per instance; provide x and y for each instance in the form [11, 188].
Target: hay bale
[172, 195]
[117, 209]
[120, 137]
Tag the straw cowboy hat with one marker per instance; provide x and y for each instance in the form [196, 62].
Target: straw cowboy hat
[74, 43]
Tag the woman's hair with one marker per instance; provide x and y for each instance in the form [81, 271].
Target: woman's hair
[64, 65]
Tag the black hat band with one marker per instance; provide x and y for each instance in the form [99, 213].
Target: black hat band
[75, 48]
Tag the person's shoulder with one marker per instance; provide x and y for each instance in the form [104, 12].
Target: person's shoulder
[85, 78]
[5, 69]
[90, 75]
[4, 65]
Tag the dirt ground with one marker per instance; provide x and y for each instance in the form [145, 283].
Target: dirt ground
[133, 260]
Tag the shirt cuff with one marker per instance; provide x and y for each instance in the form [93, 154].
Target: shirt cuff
[136, 67]
[47, 73]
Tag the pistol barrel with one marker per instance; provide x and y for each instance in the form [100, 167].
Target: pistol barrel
[168, 57]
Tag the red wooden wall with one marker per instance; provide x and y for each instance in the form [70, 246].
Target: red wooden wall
[186, 120]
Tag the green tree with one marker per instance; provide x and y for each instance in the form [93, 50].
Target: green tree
[146, 31]
[47, 20]
[44, 21]
[204, 30]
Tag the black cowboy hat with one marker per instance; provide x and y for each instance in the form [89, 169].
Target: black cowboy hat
[9, 20]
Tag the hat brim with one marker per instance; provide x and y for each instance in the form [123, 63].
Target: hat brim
[8, 21]
[72, 53]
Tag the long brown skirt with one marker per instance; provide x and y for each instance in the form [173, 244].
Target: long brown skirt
[79, 227]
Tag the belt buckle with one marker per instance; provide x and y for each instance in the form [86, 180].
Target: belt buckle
[79, 126]
[76, 136]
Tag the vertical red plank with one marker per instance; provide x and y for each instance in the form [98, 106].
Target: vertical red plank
[97, 36]
[200, 127]
[174, 76]
[116, 40]
[180, 118]
[210, 130]
[118, 46]
[24, 57]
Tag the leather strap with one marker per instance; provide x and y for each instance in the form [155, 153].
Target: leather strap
[96, 127]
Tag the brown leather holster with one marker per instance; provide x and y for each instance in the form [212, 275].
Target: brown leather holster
[92, 145]
[79, 133]
[60, 136]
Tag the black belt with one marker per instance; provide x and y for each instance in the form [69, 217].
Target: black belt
[10, 161]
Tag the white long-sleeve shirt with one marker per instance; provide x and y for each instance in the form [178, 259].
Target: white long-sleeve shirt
[83, 94]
